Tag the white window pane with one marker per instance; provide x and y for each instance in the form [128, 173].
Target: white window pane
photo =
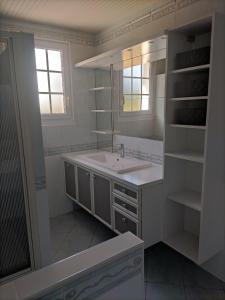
[145, 103]
[56, 82]
[44, 103]
[42, 81]
[57, 104]
[136, 102]
[127, 72]
[145, 70]
[136, 87]
[127, 103]
[145, 86]
[40, 56]
[54, 60]
[126, 85]
[136, 71]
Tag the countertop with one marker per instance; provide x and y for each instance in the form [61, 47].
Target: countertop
[138, 178]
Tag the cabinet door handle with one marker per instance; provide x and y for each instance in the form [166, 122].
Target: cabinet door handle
[88, 174]
[124, 220]
[124, 205]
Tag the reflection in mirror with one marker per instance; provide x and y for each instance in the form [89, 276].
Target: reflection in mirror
[139, 90]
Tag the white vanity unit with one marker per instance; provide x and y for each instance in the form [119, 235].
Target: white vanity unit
[122, 200]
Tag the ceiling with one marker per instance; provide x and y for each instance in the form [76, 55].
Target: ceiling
[87, 15]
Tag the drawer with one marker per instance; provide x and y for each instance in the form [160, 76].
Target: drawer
[125, 191]
[123, 223]
[125, 205]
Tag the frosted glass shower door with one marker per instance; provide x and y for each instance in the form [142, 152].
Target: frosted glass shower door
[14, 242]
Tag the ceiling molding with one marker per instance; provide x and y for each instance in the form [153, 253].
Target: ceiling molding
[42, 31]
[171, 6]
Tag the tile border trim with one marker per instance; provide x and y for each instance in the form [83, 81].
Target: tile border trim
[170, 7]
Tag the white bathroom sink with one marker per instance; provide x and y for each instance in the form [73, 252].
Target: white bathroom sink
[114, 162]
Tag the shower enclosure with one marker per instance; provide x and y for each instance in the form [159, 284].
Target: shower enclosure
[16, 254]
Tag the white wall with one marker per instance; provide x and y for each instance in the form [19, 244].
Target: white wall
[60, 138]
[56, 138]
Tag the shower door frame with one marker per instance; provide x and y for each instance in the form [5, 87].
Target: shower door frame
[26, 169]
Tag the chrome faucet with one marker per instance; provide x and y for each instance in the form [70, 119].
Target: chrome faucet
[120, 149]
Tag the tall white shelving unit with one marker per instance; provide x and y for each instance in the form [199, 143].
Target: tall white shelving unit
[194, 158]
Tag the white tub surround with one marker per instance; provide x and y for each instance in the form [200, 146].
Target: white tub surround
[111, 270]
[124, 202]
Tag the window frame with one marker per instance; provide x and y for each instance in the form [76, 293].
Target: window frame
[68, 116]
[141, 114]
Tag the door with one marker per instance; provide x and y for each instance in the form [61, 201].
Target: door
[15, 254]
[70, 179]
[84, 188]
[102, 198]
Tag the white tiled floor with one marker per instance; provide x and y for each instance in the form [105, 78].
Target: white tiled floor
[75, 232]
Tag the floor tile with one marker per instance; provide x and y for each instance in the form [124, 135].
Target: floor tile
[163, 266]
[164, 292]
[203, 294]
[63, 224]
[194, 276]
[57, 239]
[77, 231]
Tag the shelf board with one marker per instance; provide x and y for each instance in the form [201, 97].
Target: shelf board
[185, 243]
[187, 155]
[105, 132]
[189, 98]
[191, 69]
[101, 110]
[100, 88]
[188, 198]
[188, 126]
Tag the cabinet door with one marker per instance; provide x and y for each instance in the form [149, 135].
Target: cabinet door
[84, 190]
[70, 179]
[102, 201]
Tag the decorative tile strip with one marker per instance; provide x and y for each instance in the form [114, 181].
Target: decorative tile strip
[40, 183]
[154, 158]
[167, 8]
[48, 32]
[51, 151]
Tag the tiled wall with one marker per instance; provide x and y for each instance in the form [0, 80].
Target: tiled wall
[145, 149]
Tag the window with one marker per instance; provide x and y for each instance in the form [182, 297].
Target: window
[53, 78]
[135, 80]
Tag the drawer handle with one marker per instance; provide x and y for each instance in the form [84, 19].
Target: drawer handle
[124, 205]
[124, 220]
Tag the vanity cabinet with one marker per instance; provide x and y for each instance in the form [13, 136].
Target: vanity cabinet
[118, 204]
[84, 187]
[102, 198]
[70, 177]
